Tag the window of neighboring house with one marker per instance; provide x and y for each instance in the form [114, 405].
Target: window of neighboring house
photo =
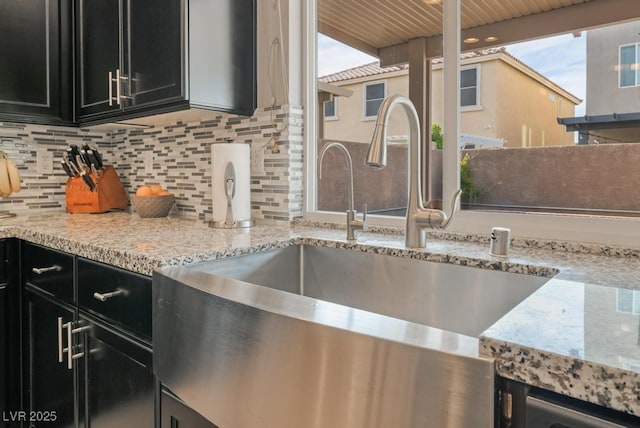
[629, 65]
[330, 109]
[374, 94]
[628, 301]
[469, 87]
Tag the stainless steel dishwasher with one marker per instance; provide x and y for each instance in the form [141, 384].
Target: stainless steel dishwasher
[524, 406]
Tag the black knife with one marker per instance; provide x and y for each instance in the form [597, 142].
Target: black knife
[66, 168]
[98, 156]
[88, 181]
[93, 162]
[85, 157]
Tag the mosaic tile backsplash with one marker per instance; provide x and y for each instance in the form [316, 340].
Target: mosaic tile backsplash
[181, 160]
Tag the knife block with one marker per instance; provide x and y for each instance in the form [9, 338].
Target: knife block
[109, 193]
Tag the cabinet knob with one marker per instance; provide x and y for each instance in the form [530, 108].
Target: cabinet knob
[40, 271]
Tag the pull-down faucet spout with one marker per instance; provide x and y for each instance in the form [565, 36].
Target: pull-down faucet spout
[419, 218]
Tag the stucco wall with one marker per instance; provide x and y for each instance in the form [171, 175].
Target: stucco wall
[526, 115]
[604, 96]
[351, 124]
[513, 106]
[567, 177]
[380, 189]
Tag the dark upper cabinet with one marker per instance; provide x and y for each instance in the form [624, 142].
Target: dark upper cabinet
[98, 51]
[36, 72]
[155, 52]
[129, 55]
[137, 58]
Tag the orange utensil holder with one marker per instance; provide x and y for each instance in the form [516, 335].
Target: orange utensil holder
[109, 193]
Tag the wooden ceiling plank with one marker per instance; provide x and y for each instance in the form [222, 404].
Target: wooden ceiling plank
[393, 27]
[565, 20]
[348, 39]
[407, 23]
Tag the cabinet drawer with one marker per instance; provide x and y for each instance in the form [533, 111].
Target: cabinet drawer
[49, 270]
[117, 296]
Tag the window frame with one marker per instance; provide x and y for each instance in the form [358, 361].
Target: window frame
[478, 86]
[619, 231]
[334, 100]
[365, 85]
[637, 63]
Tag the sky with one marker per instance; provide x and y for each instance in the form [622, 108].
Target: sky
[561, 59]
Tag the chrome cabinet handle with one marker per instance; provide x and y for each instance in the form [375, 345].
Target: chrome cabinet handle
[103, 297]
[70, 332]
[40, 271]
[118, 89]
[61, 350]
[110, 84]
[115, 80]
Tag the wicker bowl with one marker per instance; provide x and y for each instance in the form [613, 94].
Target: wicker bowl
[152, 206]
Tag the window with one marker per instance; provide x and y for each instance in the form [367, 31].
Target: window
[629, 68]
[374, 94]
[628, 301]
[524, 90]
[469, 94]
[330, 111]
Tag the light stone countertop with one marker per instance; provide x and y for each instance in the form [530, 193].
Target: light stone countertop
[574, 335]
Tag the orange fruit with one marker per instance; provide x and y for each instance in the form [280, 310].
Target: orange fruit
[164, 193]
[144, 191]
[156, 189]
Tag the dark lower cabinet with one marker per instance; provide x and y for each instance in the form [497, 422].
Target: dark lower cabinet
[176, 414]
[86, 362]
[36, 73]
[117, 386]
[10, 397]
[50, 385]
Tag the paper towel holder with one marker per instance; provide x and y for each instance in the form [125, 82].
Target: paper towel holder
[230, 191]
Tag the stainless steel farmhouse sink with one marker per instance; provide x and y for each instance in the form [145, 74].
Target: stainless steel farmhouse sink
[306, 336]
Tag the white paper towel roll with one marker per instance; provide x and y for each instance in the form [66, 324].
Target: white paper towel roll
[239, 155]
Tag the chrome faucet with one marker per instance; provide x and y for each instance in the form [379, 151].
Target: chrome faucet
[353, 223]
[419, 218]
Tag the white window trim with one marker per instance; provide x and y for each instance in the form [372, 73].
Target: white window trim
[580, 228]
[478, 104]
[335, 110]
[364, 97]
[637, 74]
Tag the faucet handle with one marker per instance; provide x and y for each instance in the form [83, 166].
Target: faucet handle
[364, 217]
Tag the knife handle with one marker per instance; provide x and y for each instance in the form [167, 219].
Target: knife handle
[66, 168]
[89, 182]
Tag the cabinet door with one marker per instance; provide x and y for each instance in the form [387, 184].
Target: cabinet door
[35, 76]
[118, 385]
[10, 398]
[99, 45]
[153, 59]
[49, 384]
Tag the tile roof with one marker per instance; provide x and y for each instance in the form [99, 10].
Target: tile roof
[374, 68]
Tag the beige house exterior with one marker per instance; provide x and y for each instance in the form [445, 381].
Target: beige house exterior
[613, 86]
[509, 101]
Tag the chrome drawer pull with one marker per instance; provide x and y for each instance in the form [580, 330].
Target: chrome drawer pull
[61, 350]
[103, 297]
[40, 271]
